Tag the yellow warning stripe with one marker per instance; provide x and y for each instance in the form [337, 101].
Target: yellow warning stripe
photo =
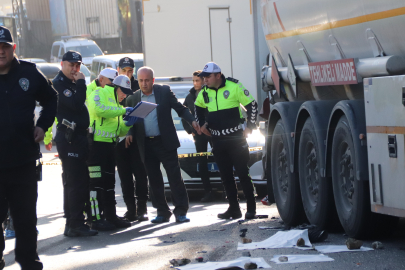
[337, 24]
[202, 154]
[385, 130]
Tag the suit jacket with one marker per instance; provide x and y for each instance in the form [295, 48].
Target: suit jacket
[166, 101]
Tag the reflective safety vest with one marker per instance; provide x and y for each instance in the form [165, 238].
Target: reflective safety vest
[91, 87]
[106, 115]
[223, 104]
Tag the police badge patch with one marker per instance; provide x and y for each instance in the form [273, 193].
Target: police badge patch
[67, 93]
[226, 94]
[246, 93]
[24, 83]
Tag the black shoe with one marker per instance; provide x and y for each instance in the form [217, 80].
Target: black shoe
[119, 222]
[131, 216]
[82, 230]
[250, 215]
[207, 197]
[65, 233]
[2, 263]
[143, 217]
[102, 225]
[233, 212]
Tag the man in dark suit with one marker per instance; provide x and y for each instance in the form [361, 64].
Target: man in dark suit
[158, 142]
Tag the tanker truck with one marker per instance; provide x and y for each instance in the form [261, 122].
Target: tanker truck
[335, 146]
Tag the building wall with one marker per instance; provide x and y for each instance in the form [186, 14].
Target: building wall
[177, 38]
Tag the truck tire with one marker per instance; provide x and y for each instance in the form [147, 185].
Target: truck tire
[286, 188]
[316, 191]
[351, 195]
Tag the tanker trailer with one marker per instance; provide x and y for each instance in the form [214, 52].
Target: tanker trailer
[335, 144]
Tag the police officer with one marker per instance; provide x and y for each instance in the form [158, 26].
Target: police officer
[71, 138]
[129, 164]
[21, 85]
[107, 122]
[222, 97]
[106, 76]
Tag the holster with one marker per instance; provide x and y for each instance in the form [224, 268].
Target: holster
[69, 133]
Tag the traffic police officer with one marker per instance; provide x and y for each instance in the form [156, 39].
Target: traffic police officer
[21, 85]
[72, 145]
[106, 76]
[222, 97]
[107, 122]
[129, 163]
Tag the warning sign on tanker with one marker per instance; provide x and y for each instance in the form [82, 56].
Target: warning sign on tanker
[336, 72]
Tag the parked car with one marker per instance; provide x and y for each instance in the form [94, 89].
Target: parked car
[34, 60]
[111, 61]
[189, 165]
[86, 47]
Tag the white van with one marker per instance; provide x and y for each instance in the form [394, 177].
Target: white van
[86, 47]
[111, 61]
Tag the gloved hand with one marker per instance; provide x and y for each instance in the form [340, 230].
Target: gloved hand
[132, 121]
[128, 110]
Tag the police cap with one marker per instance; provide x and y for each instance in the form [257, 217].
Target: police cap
[72, 57]
[5, 36]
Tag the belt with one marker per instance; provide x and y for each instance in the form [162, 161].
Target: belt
[153, 137]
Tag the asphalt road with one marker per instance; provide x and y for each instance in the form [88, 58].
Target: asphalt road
[148, 246]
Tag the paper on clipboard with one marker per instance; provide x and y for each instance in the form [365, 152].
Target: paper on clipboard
[142, 109]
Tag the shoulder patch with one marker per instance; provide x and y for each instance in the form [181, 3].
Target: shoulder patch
[232, 80]
[246, 93]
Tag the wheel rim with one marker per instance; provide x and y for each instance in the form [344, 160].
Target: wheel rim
[311, 173]
[282, 171]
[346, 175]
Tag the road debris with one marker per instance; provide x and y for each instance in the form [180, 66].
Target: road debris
[352, 243]
[243, 232]
[203, 251]
[283, 259]
[282, 239]
[199, 259]
[262, 216]
[300, 242]
[250, 265]
[377, 245]
[234, 264]
[179, 262]
[246, 240]
[339, 248]
[217, 230]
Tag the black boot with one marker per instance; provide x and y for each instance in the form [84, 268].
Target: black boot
[251, 209]
[131, 213]
[233, 212]
[101, 225]
[2, 263]
[142, 211]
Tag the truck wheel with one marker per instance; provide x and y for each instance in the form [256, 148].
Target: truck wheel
[316, 191]
[285, 184]
[351, 195]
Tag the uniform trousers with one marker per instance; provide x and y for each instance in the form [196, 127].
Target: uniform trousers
[75, 176]
[233, 152]
[19, 191]
[101, 164]
[155, 154]
[130, 165]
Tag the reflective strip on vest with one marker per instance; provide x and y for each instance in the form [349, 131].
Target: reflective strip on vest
[94, 169]
[95, 175]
